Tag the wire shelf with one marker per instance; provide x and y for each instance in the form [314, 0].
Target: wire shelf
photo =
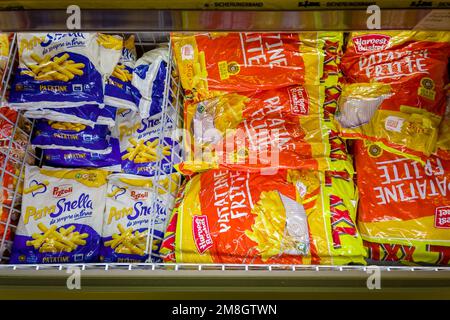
[173, 267]
[16, 150]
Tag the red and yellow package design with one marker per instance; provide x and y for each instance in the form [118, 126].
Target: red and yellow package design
[5, 40]
[294, 217]
[395, 89]
[8, 187]
[404, 207]
[332, 74]
[213, 63]
[280, 128]
[332, 43]
[443, 141]
[167, 249]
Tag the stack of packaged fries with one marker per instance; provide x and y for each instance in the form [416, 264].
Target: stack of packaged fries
[105, 145]
[395, 103]
[388, 91]
[271, 180]
[298, 148]
[60, 81]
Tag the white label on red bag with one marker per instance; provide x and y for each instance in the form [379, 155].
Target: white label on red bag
[394, 123]
[371, 42]
[202, 235]
[442, 217]
[299, 100]
[187, 52]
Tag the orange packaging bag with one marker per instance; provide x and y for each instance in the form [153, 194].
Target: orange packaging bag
[395, 94]
[8, 187]
[404, 207]
[294, 217]
[443, 141]
[210, 64]
[252, 131]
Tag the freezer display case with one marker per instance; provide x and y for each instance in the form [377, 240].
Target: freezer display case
[298, 232]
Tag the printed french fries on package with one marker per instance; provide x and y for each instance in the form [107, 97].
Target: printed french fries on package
[280, 128]
[142, 152]
[395, 93]
[213, 63]
[404, 207]
[136, 217]
[443, 141]
[71, 136]
[62, 212]
[294, 217]
[59, 70]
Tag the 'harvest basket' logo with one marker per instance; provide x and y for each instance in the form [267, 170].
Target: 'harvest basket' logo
[202, 235]
[371, 42]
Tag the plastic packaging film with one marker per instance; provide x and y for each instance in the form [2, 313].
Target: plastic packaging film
[297, 217]
[282, 128]
[404, 207]
[213, 63]
[268, 177]
[395, 93]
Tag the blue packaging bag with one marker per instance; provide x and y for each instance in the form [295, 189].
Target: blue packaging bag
[107, 116]
[82, 159]
[61, 218]
[87, 115]
[131, 237]
[147, 146]
[69, 136]
[60, 70]
[119, 90]
[149, 78]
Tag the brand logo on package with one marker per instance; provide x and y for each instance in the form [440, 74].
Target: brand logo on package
[62, 190]
[371, 42]
[139, 195]
[394, 123]
[299, 100]
[202, 235]
[187, 52]
[442, 217]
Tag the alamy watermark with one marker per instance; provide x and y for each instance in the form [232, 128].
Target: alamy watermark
[374, 280]
[374, 20]
[74, 280]
[73, 22]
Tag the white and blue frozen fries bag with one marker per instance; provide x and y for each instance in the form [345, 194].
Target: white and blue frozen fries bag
[61, 70]
[149, 78]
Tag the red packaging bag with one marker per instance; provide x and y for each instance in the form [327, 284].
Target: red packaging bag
[395, 94]
[272, 129]
[443, 141]
[294, 217]
[404, 207]
[212, 63]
